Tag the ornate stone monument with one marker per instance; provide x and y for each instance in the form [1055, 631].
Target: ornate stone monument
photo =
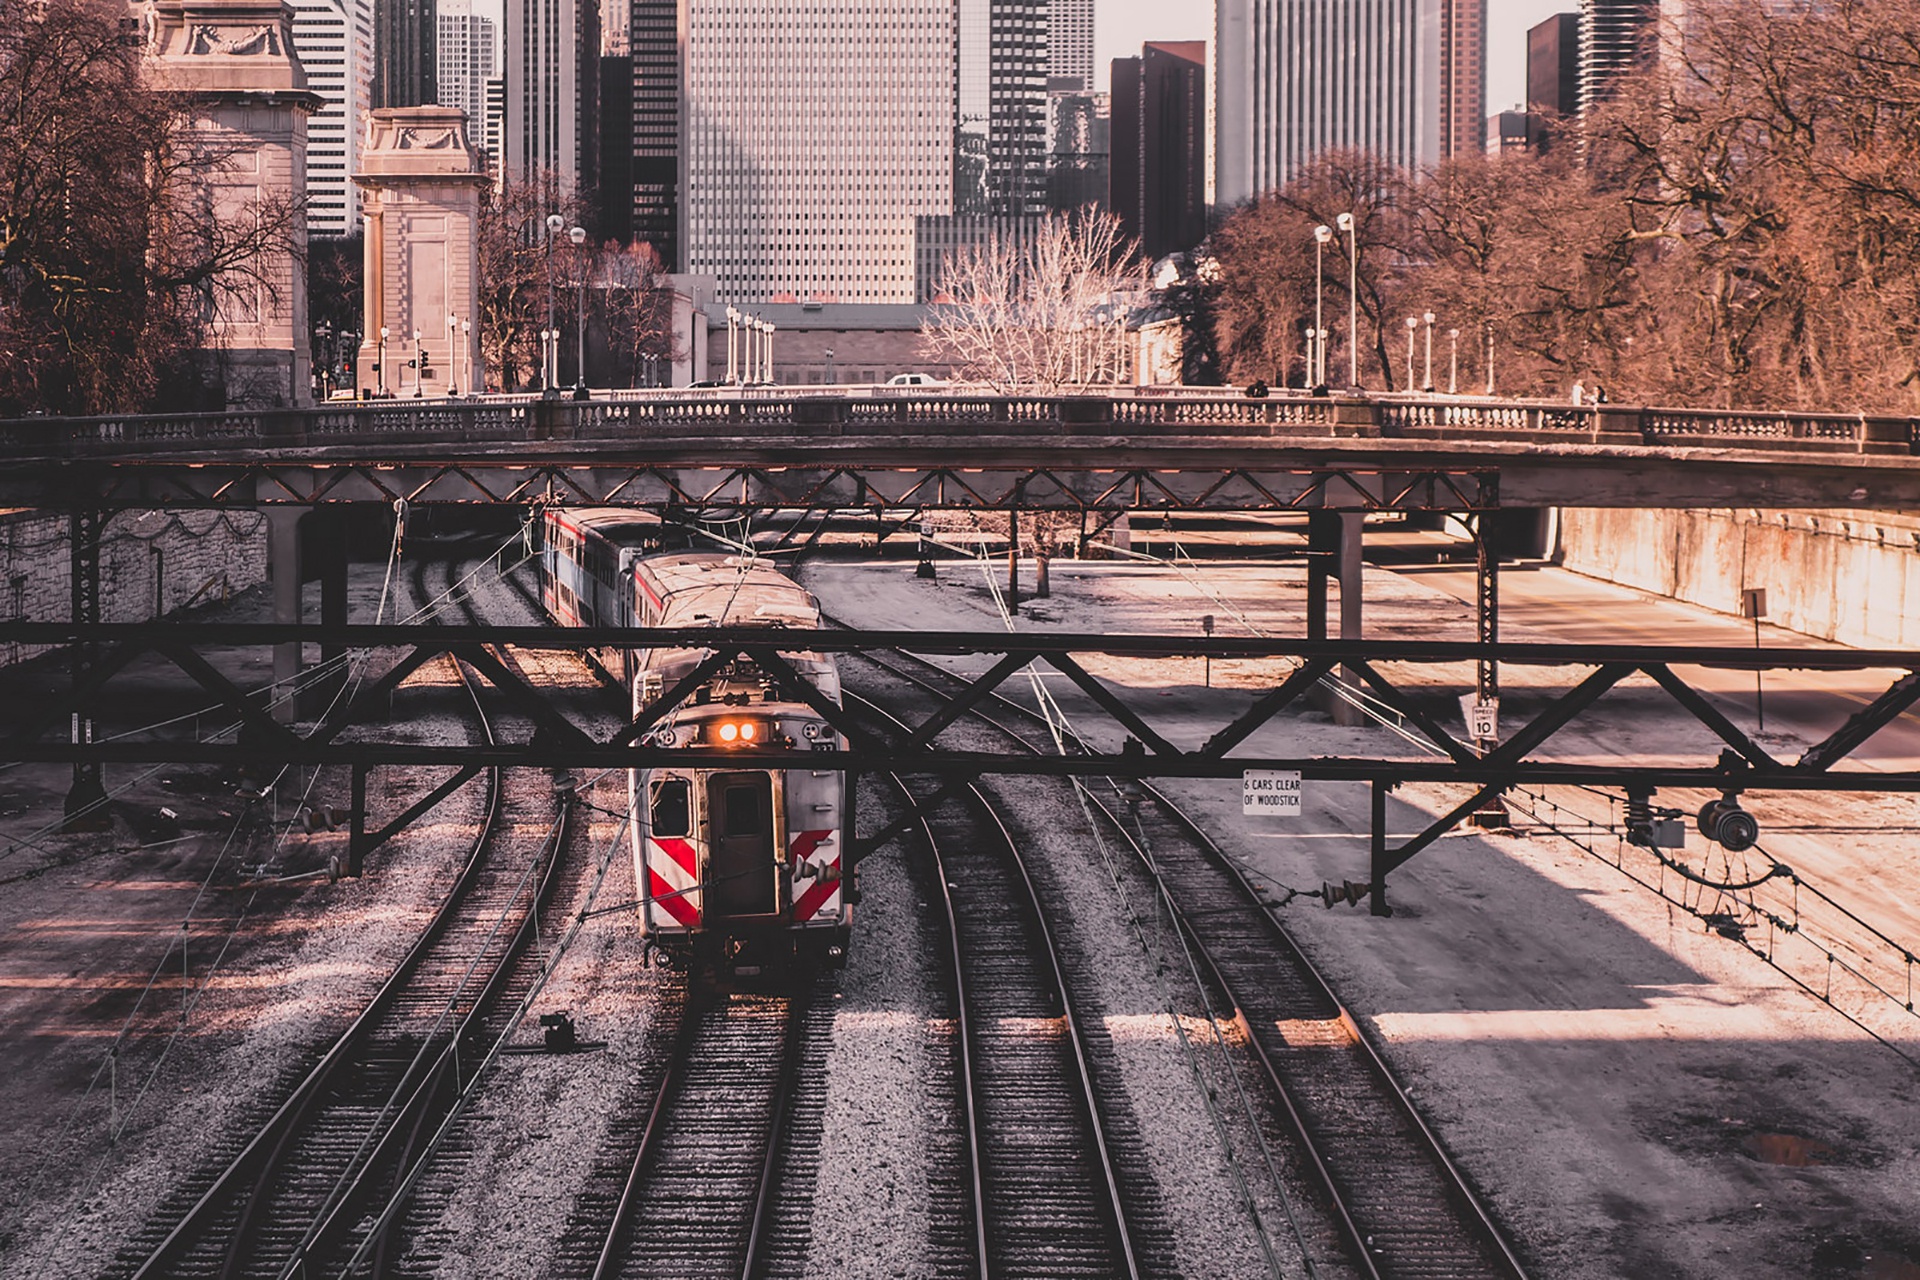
[231, 63]
[420, 184]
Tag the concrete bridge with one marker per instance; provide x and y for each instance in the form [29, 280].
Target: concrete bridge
[763, 448]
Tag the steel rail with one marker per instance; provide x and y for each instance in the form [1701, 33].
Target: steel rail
[1457, 1184]
[1115, 1205]
[268, 1143]
[701, 1000]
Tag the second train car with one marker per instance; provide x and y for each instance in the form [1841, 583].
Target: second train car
[739, 868]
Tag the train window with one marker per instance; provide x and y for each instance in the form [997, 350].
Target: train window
[671, 815]
[746, 815]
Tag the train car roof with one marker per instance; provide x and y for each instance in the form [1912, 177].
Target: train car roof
[724, 590]
[605, 520]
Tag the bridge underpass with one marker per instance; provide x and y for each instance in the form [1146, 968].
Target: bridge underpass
[896, 458]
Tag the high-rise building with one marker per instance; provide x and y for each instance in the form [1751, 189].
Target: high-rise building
[816, 132]
[553, 80]
[1001, 107]
[334, 41]
[406, 37]
[1511, 133]
[1612, 36]
[1160, 145]
[1079, 146]
[1463, 77]
[1070, 42]
[469, 56]
[493, 133]
[1296, 78]
[1553, 76]
[654, 169]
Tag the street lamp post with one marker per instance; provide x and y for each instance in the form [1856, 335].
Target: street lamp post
[1453, 362]
[419, 366]
[771, 327]
[1346, 223]
[453, 354]
[1489, 358]
[550, 355]
[579, 237]
[323, 336]
[380, 363]
[466, 350]
[1413, 325]
[1321, 235]
[733, 343]
[1428, 385]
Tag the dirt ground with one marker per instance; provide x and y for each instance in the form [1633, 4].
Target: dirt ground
[1636, 1093]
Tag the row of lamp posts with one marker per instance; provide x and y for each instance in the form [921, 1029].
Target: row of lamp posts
[749, 348]
[1316, 346]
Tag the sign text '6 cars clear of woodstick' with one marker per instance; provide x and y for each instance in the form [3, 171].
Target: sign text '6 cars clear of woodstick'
[1270, 793]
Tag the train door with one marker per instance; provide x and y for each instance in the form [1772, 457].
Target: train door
[671, 859]
[740, 848]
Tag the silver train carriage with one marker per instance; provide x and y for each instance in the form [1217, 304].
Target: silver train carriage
[737, 868]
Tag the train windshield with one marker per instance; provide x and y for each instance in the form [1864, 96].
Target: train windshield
[671, 815]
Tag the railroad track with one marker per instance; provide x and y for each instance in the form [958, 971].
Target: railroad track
[296, 1195]
[1402, 1206]
[703, 1194]
[1048, 1197]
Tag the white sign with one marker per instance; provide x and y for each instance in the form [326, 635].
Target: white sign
[1270, 793]
[1483, 718]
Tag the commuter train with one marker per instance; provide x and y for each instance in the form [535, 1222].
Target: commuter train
[738, 869]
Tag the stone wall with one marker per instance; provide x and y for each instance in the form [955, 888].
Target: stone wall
[151, 562]
[1848, 576]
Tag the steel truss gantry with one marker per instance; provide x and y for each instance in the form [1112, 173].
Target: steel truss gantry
[801, 484]
[1415, 680]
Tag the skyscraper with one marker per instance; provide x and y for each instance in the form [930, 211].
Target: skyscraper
[1001, 107]
[654, 170]
[1553, 75]
[1299, 77]
[1463, 77]
[1611, 35]
[1070, 42]
[1160, 145]
[469, 56]
[334, 40]
[816, 132]
[405, 40]
[553, 77]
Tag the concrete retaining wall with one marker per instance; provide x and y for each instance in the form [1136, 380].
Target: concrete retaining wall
[151, 562]
[1848, 576]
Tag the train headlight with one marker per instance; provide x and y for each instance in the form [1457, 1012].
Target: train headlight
[741, 733]
[815, 731]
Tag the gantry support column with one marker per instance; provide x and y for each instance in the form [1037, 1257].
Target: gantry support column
[1486, 607]
[86, 807]
[283, 573]
[1334, 546]
[325, 554]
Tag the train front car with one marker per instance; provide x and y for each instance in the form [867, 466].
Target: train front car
[741, 868]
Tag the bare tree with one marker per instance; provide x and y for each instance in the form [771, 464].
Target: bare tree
[521, 267]
[115, 257]
[1045, 314]
[639, 309]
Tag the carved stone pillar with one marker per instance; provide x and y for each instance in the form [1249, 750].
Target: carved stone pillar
[232, 66]
[420, 184]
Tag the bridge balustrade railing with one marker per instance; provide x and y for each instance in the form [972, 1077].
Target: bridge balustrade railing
[1133, 411]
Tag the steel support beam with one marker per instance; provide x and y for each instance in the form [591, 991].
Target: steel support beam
[86, 804]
